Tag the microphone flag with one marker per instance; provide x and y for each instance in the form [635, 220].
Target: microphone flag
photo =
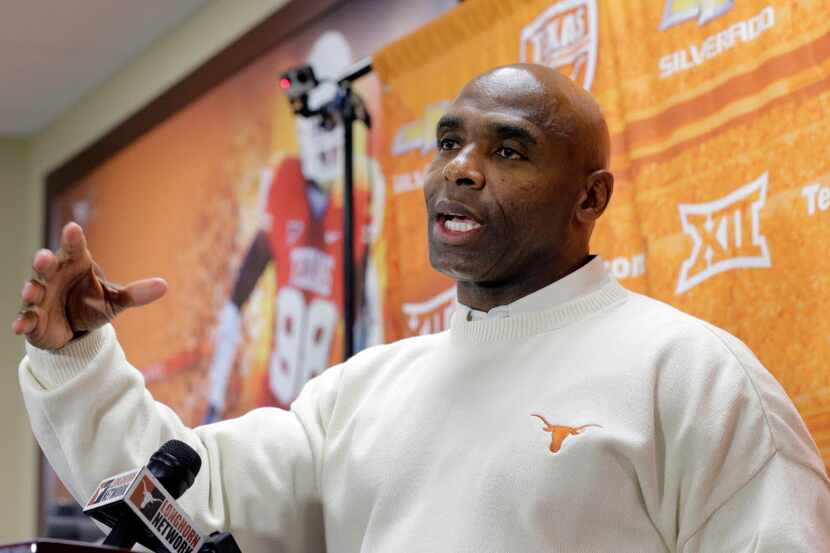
[137, 490]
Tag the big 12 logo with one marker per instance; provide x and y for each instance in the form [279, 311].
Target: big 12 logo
[726, 234]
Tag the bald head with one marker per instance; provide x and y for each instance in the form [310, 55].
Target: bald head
[558, 106]
[517, 183]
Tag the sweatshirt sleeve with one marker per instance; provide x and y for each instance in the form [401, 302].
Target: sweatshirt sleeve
[747, 474]
[785, 506]
[93, 417]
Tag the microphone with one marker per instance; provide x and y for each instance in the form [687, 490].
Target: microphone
[139, 505]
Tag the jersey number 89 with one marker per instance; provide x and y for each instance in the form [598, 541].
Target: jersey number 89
[304, 333]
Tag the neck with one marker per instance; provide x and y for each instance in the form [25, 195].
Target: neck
[484, 296]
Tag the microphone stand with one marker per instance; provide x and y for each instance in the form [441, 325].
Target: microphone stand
[220, 542]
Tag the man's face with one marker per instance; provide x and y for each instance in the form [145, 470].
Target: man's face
[321, 151]
[500, 193]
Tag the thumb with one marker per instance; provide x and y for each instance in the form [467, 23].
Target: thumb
[142, 292]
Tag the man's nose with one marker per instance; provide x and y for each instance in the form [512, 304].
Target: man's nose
[465, 168]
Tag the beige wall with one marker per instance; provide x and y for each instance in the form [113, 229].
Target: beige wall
[18, 462]
[23, 167]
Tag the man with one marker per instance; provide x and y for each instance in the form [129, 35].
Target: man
[559, 413]
[301, 233]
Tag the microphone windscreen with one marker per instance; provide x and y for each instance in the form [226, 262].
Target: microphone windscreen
[176, 465]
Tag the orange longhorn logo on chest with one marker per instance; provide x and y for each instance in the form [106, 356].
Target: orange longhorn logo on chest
[559, 433]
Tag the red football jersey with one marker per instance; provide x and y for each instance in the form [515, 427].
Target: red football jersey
[307, 250]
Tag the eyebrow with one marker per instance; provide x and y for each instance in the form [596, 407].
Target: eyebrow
[505, 131]
[502, 130]
[449, 123]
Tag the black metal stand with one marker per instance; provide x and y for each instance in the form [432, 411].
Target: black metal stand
[348, 224]
[346, 108]
[351, 108]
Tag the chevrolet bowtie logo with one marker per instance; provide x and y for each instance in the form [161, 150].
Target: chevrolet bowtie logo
[558, 434]
[678, 11]
[726, 234]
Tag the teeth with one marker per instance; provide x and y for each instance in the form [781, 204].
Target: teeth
[460, 226]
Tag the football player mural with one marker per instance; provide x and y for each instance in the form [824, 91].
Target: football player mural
[301, 234]
[238, 204]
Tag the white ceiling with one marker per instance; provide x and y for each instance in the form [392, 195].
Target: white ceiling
[53, 52]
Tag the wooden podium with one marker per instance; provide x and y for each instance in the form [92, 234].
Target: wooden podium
[58, 546]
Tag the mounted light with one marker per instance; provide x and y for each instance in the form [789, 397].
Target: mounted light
[297, 83]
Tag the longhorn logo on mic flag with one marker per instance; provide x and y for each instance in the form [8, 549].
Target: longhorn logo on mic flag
[147, 497]
[726, 234]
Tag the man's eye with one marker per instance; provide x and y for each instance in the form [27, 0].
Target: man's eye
[447, 144]
[508, 153]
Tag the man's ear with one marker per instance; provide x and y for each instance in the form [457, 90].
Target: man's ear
[594, 198]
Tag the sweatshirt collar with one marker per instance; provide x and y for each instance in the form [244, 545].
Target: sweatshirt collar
[586, 291]
[587, 278]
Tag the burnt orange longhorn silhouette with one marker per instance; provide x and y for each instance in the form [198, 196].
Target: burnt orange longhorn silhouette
[559, 433]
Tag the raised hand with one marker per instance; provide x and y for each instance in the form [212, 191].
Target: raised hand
[69, 295]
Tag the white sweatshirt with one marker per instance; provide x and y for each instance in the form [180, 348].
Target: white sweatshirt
[609, 423]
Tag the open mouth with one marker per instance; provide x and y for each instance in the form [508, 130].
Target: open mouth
[457, 223]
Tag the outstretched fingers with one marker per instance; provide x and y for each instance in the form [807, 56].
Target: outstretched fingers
[44, 264]
[68, 293]
[142, 292]
[73, 241]
[31, 321]
[33, 293]
[25, 322]
[27, 318]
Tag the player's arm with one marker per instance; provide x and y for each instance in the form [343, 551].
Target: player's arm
[371, 309]
[93, 417]
[256, 259]
[369, 318]
[229, 324]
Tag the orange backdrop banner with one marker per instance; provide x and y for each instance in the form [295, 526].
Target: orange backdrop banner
[718, 116]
